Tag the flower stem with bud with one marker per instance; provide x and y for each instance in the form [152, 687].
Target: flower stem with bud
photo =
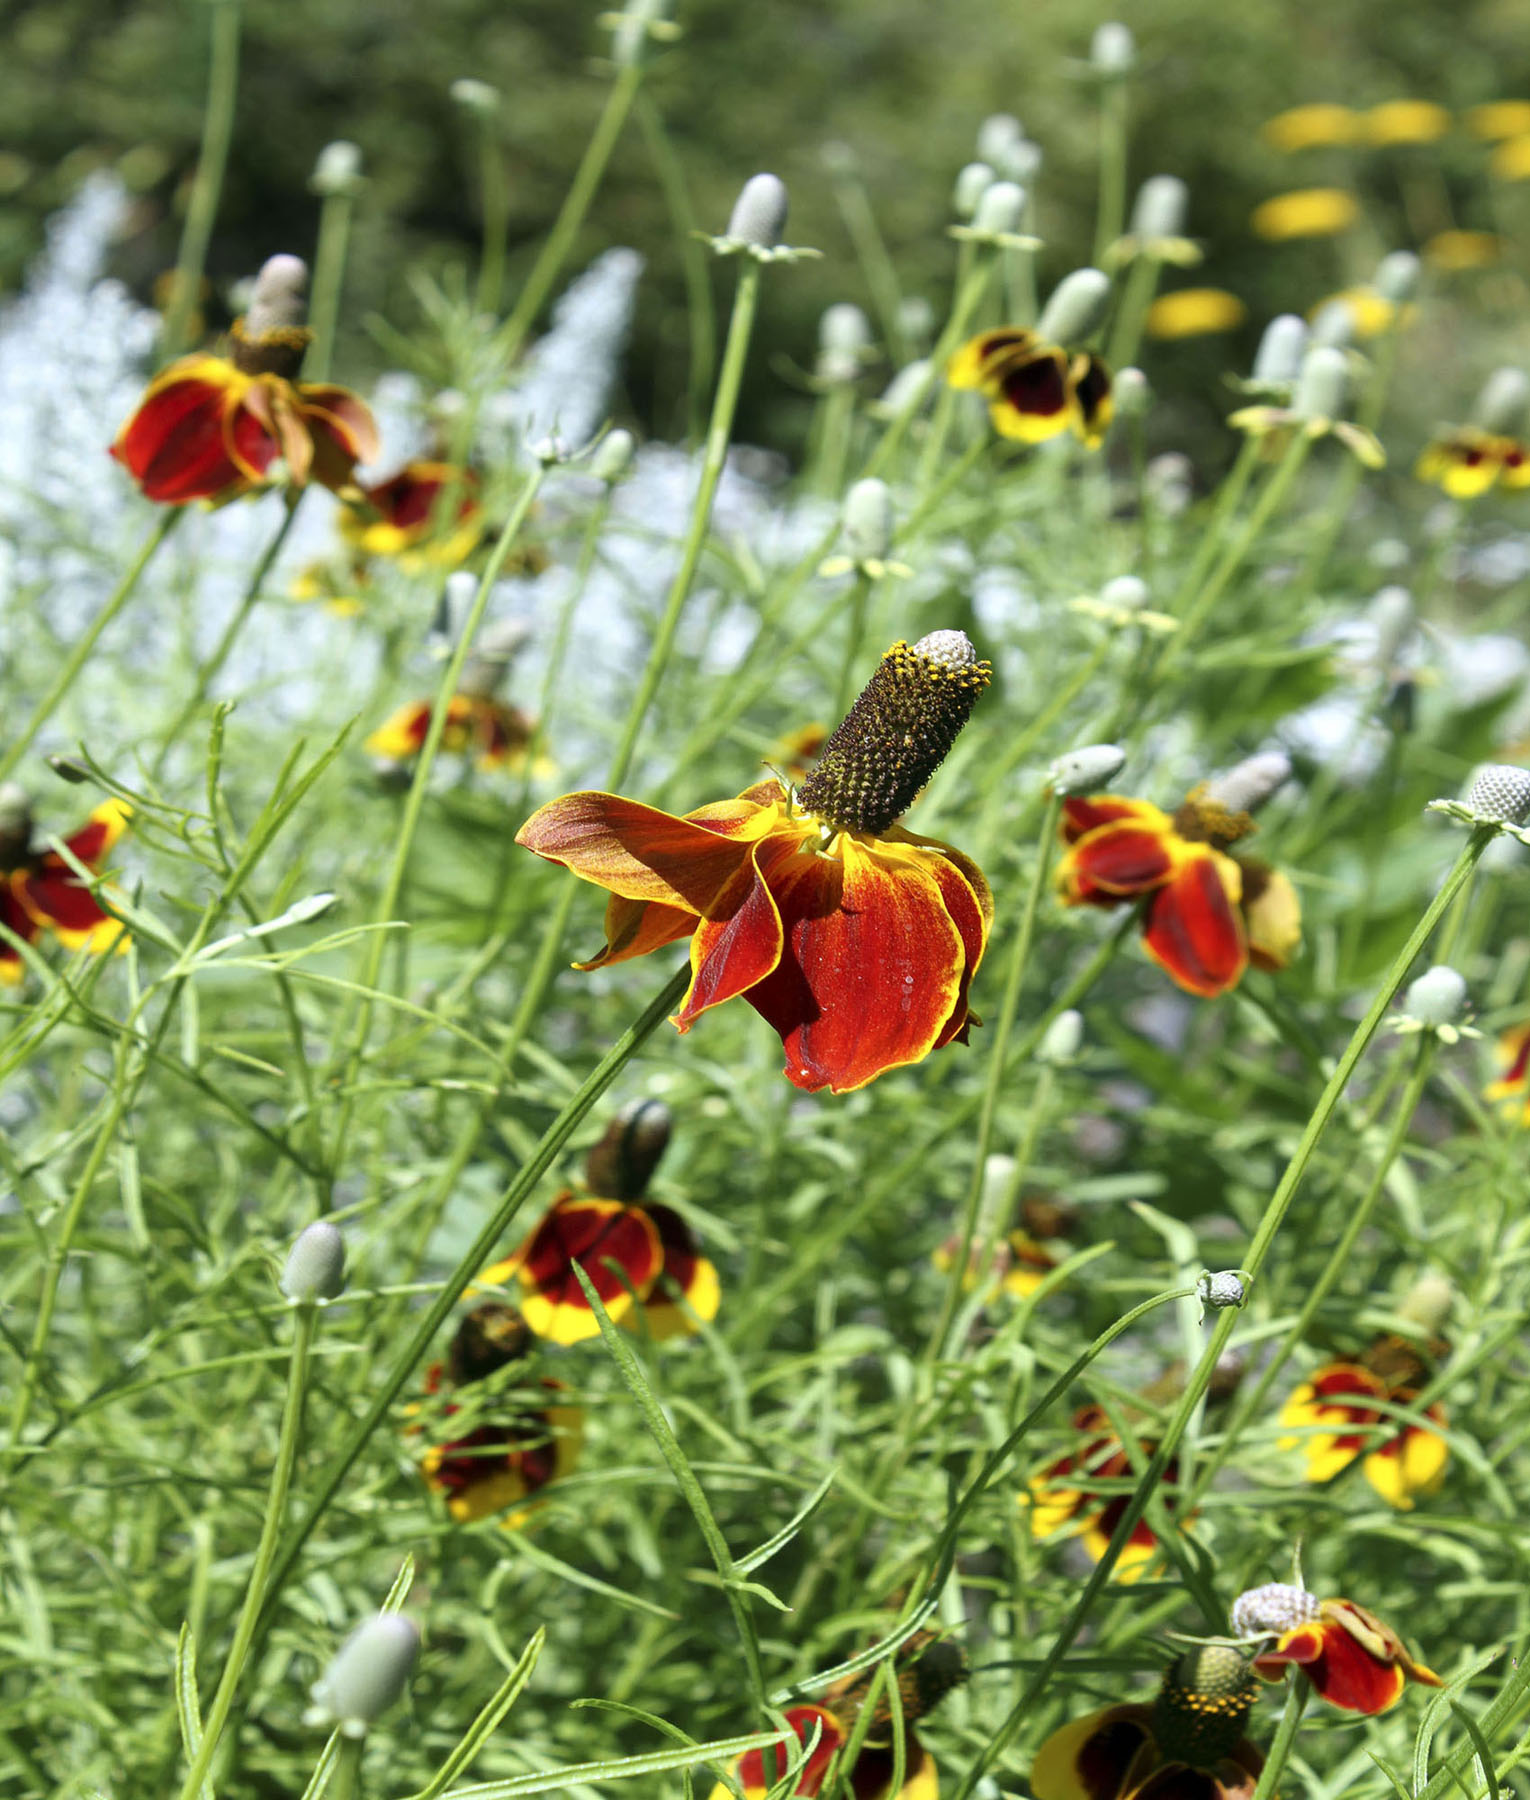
[1298, 1692]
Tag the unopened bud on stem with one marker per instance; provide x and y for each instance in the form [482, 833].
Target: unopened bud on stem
[1114, 49]
[1077, 307]
[369, 1673]
[1500, 406]
[1281, 349]
[759, 213]
[1323, 385]
[315, 1268]
[1160, 207]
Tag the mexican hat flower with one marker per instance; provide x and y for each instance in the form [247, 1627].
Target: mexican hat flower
[1034, 388]
[1025, 1257]
[641, 1257]
[853, 938]
[211, 427]
[493, 733]
[39, 890]
[928, 1667]
[507, 1444]
[1489, 451]
[1512, 1086]
[1352, 1659]
[1206, 915]
[1188, 1745]
[1333, 1417]
[396, 517]
[1066, 1497]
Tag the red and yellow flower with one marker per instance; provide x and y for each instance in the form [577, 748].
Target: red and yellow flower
[856, 940]
[495, 734]
[211, 427]
[1336, 1416]
[1035, 389]
[1468, 461]
[1026, 1256]
[1187, 1745]
[39, 891]
[1066, 1496]
[396, 517]
[508, 1446]
[1206, 915]
[639, 1258]
[1353, 1660]
[1512, 1086]
[928, 1668]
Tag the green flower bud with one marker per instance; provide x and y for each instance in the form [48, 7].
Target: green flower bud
[1160, 207]
[759, 213]
[315, 1268]
[478, 97]
[1077, 307]
[1396, 277]
[1132, 392]
[1428, 1302]
[996, 135]
[1323, 385]
[1113, 50]
[1334, 324]
[1281, 349]
[972, 182]
[868, 526]
[337, 170]
[1063, 1040]
[613, 456]
[369, 1674]
[1086, 770]
[999, 209]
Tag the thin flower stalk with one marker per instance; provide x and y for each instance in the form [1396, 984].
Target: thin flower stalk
[1258, 1252]
[329, 258]
[1131, 314]
[877, 266]
[265, 1550]
[700, 307]
[1110, 212]
[1009, 1006]
[971, 288]
[494, 204]
[207, 183]
[1298, 1692]
[77, 658]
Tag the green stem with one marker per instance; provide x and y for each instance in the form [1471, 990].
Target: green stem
[328, 280]
[1131, 317]
[859, 602]
[207, 183]
[1014, 981]
[1111, 214]
[559, 241]
[496, 215]
[345, 1783]
[80, 655]
[276, 1508]
[1253, 1261]
[477, 1256]
[971, 286]
[876, 265]
[1297, 1695]
[700, 308]
[213, 667]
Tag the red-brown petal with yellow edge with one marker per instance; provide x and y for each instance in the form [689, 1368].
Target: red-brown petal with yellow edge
[249, 439]
[804, 1720]
[691, 1272]
[1193, 929]
[53, 896]
[1089, 1758]
[593, 1233]
[1081, 813]
[1121, 859]
[20, 923]
[870, 969]
[981, 360]
[173, 445]
[728, 956]
[1032, 401]
[641, 853]
[107, 824]
[343, 417]
[971, 920]
[636, 927]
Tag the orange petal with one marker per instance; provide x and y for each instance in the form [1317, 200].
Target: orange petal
[593, 1234]
[871, 966]
[635, 927]
[1192, 927]
[1081, 814]
[729, 955]
[1119, 860]
[173, 445]
[641, 853]
[969, 900]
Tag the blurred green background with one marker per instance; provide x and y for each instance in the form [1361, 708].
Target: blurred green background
[87, 83]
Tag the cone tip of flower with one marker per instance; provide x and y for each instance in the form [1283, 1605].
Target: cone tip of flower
[1500, 793]
[1250, 783]
[951, 649]
[1437, 997]
[1087, 769]
[759, 213]
[1276, 1607]
[277, 296]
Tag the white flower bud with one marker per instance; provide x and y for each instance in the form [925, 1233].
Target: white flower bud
[917, 317]
[480, 97]
[1272, 1609]
[868, 526]
[337, 170]
[1396, 277]
[999, 208]
[759, 213]
[632, 29]
[1076, 308]
[845, 327]
[1281, 349]
[1086, 770]
[613, 456]
[972, 182]
[498, 645]
[951, 649]
[1160, 207]
[1437, 997]
[1428, 1302]
[1219, 1289]
[1131, 392]
[1114, 49]
[996, 135]
[914, 380]
[1501, 404]
[315, 1268]
[1129, 592]
[1323, 386]
[1022, 161]
[1333, 324]
[1063, 1040]
[1501, 792]
[1250, 783]
[277, 299]
[370, 1671]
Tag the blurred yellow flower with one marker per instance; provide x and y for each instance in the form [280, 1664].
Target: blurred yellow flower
[1309, 127]
[1306, 212]
[1454, 250]
[1511, 160]
[1500, 119]
[1406, 122]
[1195, 312]
[1371, 313]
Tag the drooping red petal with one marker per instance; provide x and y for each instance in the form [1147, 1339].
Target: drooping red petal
[969, 901]
[174, 445]
[691, 1272]
[729, 955]
[594, 1234]
[249, 440]
[641, 853]
[804, 1720]
[342, 419]
[1090, 1758]
[1081, 813]
[17, 920]
[106, 825]
[1193, 929]
[1340, 1669]
[635, 927]
[53, 896]
[1118, 861]
[870, 969]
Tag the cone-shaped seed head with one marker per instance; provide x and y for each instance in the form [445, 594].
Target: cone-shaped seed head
[1396, 277]
[621, 1165]
[999, 208]
[1087, 769]
[1429, 1302]
[278, 299]
[1281, 349]
[844, 327]
[897, 734]
[1131, 391]
[1160, 208]
[1274, 1608]
[315, 1268]
[1076, 308]
[337, 169]
[1323, 385]
[1501, 791]
[1221, 1288]
[490, 1338]
[759, 213]
[1437, 997]
[613, 456]
[1248, 785]
[869, 520]
[1203, 1705]
[1501, 404]
[1114, 49]
[370, 1671]
[474, 96]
